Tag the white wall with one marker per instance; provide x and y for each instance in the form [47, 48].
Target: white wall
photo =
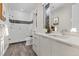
[18, 32]
[19, 15]
[38, 20]
[65, 14]
[6, 13]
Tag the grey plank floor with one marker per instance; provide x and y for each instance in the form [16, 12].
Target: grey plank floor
[19, 49]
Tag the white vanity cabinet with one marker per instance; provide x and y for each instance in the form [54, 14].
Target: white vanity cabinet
[41, 45]
[62, 49]
[45, 46]
[36, 46]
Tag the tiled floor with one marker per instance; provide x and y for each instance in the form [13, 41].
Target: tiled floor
[19, 49]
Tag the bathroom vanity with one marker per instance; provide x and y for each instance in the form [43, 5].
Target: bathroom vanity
[55, 45]
[64, 17]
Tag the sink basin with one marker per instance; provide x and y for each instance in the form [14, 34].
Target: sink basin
[59, 35]
[55, 33]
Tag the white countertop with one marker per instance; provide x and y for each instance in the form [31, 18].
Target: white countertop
[70, 40]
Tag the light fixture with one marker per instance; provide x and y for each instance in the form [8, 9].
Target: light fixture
[22, 9]
[73, 30]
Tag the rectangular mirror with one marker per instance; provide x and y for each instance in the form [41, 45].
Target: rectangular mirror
[46, 15]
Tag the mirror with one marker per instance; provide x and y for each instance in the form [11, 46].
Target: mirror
[65, 16]
[61, 16]
[46, 15]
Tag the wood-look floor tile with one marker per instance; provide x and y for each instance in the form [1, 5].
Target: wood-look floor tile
[19, 49]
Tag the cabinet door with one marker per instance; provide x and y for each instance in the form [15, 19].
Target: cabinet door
[62, 49]
[36, 44]
[52, 46]
[45, 47]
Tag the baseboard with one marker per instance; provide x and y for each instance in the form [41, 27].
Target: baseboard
[17, 42]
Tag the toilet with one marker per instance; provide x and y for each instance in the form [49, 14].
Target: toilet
[28, 41]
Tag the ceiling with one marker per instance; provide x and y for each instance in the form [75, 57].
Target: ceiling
[24, 7]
